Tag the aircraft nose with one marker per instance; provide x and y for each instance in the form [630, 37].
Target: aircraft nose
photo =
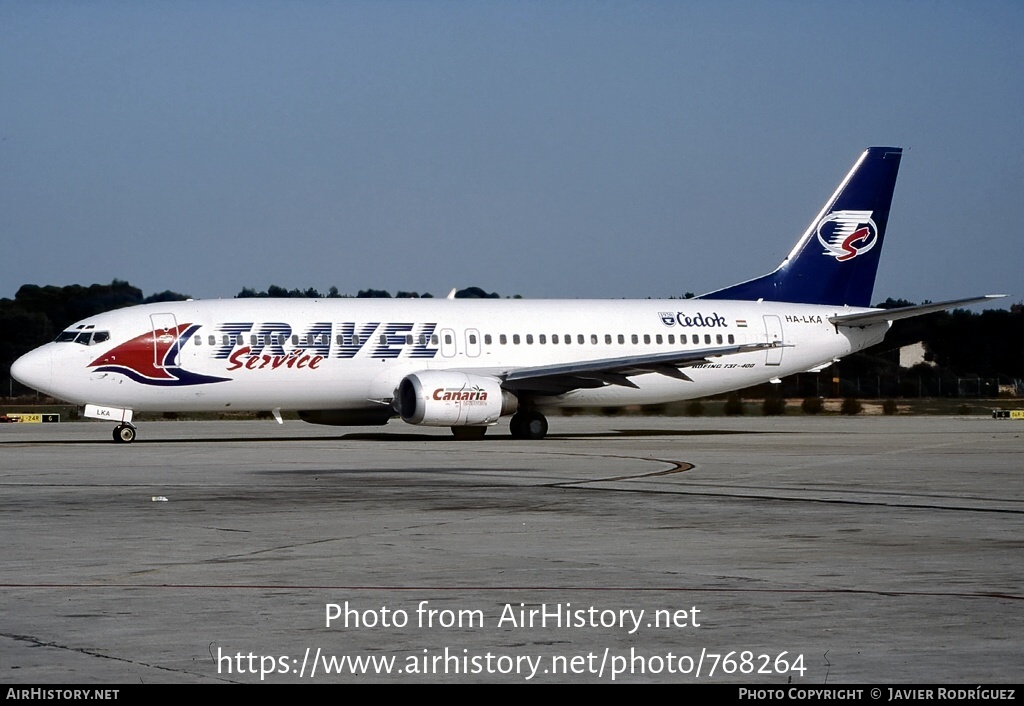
[34, 369]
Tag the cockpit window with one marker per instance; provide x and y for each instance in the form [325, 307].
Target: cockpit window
[86, 338]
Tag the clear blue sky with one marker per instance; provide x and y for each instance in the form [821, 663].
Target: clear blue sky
[548, 149]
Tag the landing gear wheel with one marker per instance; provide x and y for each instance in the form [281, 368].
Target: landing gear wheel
[474, 433]
[124, 434]
[515, 427]
[528, 425]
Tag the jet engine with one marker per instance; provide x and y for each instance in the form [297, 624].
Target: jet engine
[445, 398]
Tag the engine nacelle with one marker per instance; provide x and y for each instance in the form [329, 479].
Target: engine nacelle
[440, 398]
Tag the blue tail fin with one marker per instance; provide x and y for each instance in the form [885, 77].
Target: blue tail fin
[835, 261]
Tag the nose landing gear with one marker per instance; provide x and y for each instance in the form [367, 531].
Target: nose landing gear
[124, 434]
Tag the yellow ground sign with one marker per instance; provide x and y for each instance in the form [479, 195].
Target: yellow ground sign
[30, 418]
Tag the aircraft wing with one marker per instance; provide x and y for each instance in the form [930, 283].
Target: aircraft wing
[561, 378]
[905, 312]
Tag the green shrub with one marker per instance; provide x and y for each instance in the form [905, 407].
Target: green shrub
[695, 408]
[773, 406]
[851, 405]
[733, 405]
[812, 405]
[889, 407]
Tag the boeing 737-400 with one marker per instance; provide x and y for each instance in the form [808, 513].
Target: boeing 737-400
[465, 364]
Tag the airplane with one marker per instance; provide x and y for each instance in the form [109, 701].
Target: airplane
[466, 363]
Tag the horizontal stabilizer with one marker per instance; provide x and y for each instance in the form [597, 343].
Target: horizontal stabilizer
[905, 312]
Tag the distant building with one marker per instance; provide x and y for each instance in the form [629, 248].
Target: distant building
[913, 355]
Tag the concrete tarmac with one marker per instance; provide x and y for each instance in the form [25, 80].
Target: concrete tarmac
[759, 550]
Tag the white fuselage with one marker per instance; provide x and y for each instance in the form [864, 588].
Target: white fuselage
[315, 354]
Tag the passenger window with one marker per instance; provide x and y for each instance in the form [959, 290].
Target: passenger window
[529, 339]
[580, 340]
[657, 339]
[718, 338]
[447, 339]
[487, 339]
[472, 339]
[696, 338]
[554, 338]
[593, 339]
[212, 340]
[568, 339]
[433, 340]
[622, 339]
[634, 338]
[542, 339]
[503, 339]
[515, 339]
[647, 338]
[607, 338]
[199, 340]
[707, 338]
[732, 339]
[671, 339]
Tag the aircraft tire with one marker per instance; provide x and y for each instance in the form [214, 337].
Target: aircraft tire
[124, 434]
[528, 425]
[536, 426]
[517, 426]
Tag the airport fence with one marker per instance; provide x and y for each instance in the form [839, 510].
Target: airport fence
[891, 386]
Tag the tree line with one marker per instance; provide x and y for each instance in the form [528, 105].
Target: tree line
[986, 344]
[275, 292]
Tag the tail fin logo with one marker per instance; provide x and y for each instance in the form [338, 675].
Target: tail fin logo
[847, 234]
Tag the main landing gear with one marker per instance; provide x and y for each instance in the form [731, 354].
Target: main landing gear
[124, 434]
[523, 425]
[528, 425]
